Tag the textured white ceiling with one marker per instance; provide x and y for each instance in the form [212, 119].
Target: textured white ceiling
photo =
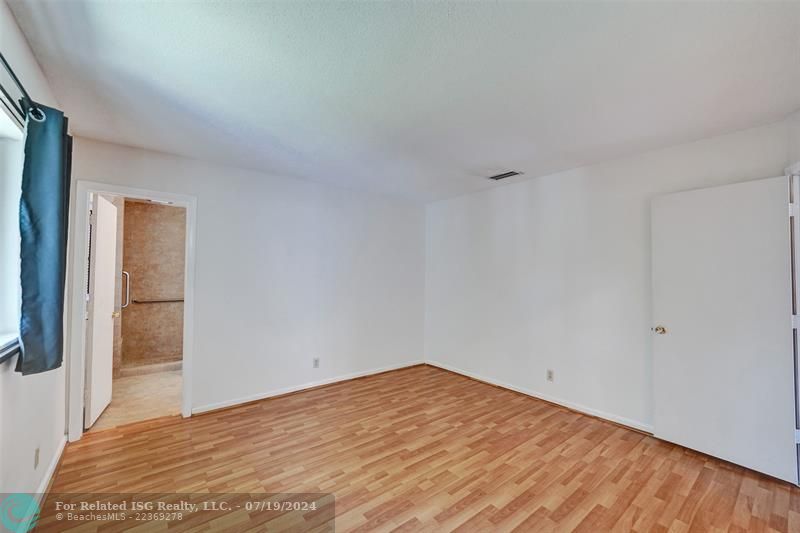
[421, 100]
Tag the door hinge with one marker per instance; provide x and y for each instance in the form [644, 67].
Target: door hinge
[797, 436]
[794, 209]
[796, 321]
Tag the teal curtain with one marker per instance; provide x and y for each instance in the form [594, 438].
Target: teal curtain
[44, 209]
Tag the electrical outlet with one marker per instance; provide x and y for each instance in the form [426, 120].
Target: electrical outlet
[316, 362]
[550, 375]
[36, 458]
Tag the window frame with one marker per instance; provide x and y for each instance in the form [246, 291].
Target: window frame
[10, 348]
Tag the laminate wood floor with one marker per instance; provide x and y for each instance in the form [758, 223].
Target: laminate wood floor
[423, 449]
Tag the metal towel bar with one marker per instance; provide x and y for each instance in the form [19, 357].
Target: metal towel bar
[167, 300]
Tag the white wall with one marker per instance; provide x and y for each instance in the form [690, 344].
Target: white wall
[33, 407]
[554, 272]
[287, 270]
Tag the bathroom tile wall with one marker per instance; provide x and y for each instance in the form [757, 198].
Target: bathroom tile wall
[153, 253]
[119, 203]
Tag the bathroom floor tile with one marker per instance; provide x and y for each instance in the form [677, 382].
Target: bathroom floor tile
[136, 398]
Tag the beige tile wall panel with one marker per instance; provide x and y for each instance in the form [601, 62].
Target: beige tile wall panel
[154, 256]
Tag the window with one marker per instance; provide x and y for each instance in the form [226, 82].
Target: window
[11, 158]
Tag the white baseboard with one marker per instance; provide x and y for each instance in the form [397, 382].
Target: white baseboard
[51, 469]
[287, 390]
[641, 426]
[535, 394]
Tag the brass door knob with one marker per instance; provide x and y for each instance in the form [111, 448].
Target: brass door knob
[661, 330]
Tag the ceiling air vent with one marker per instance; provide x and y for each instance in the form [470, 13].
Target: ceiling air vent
[505, 175]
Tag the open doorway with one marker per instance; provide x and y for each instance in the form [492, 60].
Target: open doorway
[136, 271]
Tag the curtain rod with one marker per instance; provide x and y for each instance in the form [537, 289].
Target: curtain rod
[25, 103]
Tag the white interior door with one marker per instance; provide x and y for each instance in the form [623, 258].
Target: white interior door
[102, 283]
[724, 368]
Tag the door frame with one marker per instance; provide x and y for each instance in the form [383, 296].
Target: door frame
[75, 322]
